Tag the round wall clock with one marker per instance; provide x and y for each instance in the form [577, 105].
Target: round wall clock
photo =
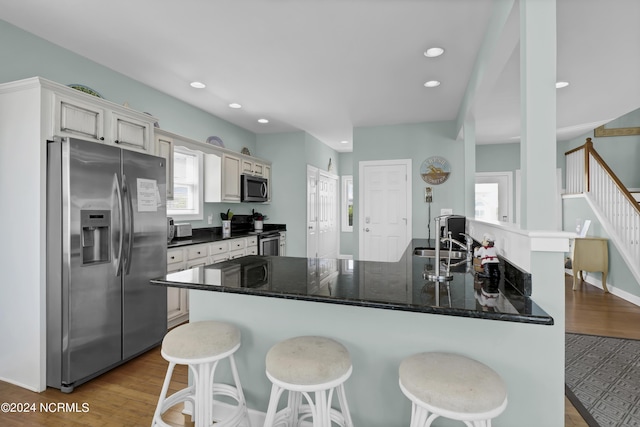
[435, 170]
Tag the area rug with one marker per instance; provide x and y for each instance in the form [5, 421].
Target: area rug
[602, 377]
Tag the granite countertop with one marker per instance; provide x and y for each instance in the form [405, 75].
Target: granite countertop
[385, 285]
[214, 234]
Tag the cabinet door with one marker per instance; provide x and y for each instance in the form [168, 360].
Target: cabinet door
[266, 173]
[131, 133]
[177, 299]
[258, 169]
[164, 148]
[77, 118]
[247, 166]
[231, 168]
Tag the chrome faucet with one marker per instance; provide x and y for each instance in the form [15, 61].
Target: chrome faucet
[467, 246]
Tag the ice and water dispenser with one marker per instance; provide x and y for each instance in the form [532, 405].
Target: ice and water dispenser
[96, 232]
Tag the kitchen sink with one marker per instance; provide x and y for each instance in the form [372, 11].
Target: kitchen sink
[444, 253]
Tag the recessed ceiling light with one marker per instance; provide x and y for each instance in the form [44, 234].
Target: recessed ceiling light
[432, 52]
[198, 85]
[263, 121]
[235, 105]
[560, 85]
[432, 83]
[344, 142]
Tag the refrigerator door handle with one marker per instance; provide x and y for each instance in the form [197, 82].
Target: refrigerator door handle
[127, 192]
[121, 218]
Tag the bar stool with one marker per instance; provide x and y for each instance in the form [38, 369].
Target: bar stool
[451, 386]
[201, 345]
[305, 365]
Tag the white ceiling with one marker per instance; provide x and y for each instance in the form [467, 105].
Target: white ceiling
[327, 66]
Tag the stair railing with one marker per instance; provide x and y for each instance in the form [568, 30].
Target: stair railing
[587, 172]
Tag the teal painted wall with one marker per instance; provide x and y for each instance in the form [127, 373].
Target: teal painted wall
[497, 157]
[416, 142]
[620, 152]
[288, 199]
[619, 275]
[28, 56]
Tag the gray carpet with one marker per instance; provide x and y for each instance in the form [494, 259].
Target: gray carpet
[603, 374]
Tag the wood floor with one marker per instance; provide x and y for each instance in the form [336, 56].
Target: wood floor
[127, 396]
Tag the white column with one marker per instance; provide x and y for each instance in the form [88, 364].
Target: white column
[470, 168]
[538, 114]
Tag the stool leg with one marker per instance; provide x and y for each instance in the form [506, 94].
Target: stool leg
[321, 416]
[344, 407]
[478, 423]
[163, 394]
[294, 402]
[276, 392]
[241, 399]
[204, 392]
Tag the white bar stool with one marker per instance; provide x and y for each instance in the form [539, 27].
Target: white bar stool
[305, 365]
[451, 386]
[201, 345]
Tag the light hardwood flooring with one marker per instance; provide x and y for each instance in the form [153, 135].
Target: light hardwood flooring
[127, 395]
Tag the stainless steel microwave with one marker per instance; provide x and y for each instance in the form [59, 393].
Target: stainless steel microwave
[253, 188]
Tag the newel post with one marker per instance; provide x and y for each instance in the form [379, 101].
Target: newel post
[588, 146]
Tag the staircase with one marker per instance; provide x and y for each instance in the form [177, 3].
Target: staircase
[616, 207]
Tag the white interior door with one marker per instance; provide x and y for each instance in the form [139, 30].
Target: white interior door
[494, 196]
[327, 215]
[322, 214]
[312, 212]
[385, 214]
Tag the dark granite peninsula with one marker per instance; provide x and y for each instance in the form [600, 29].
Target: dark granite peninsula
[395, 286]
[382, 312]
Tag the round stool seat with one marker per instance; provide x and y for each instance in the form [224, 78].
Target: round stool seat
[202, 346]
[452, 386]
[200, 340]
[453, 383]
[308, 360]
[310, 370]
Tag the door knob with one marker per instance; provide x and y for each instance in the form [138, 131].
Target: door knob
[366, 229]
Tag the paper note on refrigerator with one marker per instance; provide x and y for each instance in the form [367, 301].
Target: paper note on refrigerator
[147, 190]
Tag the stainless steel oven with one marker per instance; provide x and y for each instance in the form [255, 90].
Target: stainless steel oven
[256, 274]
[269, 243]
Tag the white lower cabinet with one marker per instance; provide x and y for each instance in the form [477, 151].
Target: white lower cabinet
[196, 256]
[177, 299]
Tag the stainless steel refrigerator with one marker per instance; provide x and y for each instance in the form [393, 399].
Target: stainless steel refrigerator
[106, 238]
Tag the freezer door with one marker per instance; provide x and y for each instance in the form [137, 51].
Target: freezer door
[144, 305]
[89, 239]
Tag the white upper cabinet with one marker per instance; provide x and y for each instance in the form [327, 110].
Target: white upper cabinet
[74, 117]
[130, 132]
[77, 114]
[231, 171]
[252, 167]
[164, 148]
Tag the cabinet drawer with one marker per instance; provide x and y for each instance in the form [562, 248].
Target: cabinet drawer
[252, 241]
[174, 256]
[195, 252]
[252, 250]
[237, 244]
[218, 248]
[237, 254]
[219, 258]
